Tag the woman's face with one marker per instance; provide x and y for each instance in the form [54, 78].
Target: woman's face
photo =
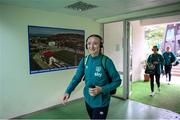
[168, 49]
[93, 45]
[154, 49]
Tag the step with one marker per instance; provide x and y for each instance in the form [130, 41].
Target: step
[177, 75]
[176, 66]
[175, 70]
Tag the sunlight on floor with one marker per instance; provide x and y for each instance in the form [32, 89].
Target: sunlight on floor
[174, 79]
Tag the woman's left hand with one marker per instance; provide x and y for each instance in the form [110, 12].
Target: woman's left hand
[155, 62]
[95, 91]
[98, 89]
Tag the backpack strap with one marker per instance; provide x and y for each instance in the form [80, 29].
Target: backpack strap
[103, 62]
[85, 60]
[173, 57]
[151, 57]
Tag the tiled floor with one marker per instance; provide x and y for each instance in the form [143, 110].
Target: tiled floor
[119, 109]
[134, 110]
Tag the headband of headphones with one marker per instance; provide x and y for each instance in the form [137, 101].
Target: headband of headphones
[97, 36]
[156, 47]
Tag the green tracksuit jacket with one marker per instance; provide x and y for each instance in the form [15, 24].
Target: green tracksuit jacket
[158, 58]
[96, 75]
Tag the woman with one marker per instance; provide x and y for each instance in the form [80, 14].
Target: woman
[169, 58]
[97, 87]
[157, 60]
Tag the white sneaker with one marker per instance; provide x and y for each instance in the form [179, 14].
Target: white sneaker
[152, 94]
[166, 79]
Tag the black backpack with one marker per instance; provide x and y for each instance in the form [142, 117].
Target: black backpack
[103, 64]
[173, 59]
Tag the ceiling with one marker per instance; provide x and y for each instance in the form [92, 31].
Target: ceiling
[105, 9]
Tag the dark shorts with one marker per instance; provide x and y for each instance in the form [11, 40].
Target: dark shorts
[97, 113]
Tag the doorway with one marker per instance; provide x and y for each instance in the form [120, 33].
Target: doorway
[125, 52]
[140, 50]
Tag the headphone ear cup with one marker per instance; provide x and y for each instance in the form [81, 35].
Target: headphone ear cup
[86, 46]
[101, 44]
[86, 43]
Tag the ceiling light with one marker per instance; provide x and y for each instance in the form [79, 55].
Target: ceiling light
[81, 6]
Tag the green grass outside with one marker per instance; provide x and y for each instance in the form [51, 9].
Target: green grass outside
[168, 97]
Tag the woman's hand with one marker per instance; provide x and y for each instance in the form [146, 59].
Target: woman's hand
[155, 62]
[65, 98]
[95, 91]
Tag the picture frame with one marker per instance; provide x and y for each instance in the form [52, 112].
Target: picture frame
[54, 49]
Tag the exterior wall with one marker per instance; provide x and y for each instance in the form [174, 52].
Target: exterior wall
[139, 51]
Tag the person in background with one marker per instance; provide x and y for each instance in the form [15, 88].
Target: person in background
[157, 60]
[97, 87]
[169, 58]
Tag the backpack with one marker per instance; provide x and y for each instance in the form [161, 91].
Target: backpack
[173, 59]
[149, 68]
[103, 64]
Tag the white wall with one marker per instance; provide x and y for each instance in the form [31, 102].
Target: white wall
[139, 50]
[0, 65]
[113, 43]
[22, 93]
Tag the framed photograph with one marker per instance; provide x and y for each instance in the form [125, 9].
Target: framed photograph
[52, 49]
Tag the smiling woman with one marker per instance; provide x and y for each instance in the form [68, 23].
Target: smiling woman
[94, 44]
[97, 98]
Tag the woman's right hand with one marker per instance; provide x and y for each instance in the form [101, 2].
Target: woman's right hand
[65, 98]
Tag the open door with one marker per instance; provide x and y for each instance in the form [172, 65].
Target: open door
[114, 48]
[118, 46]
[130, 57]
